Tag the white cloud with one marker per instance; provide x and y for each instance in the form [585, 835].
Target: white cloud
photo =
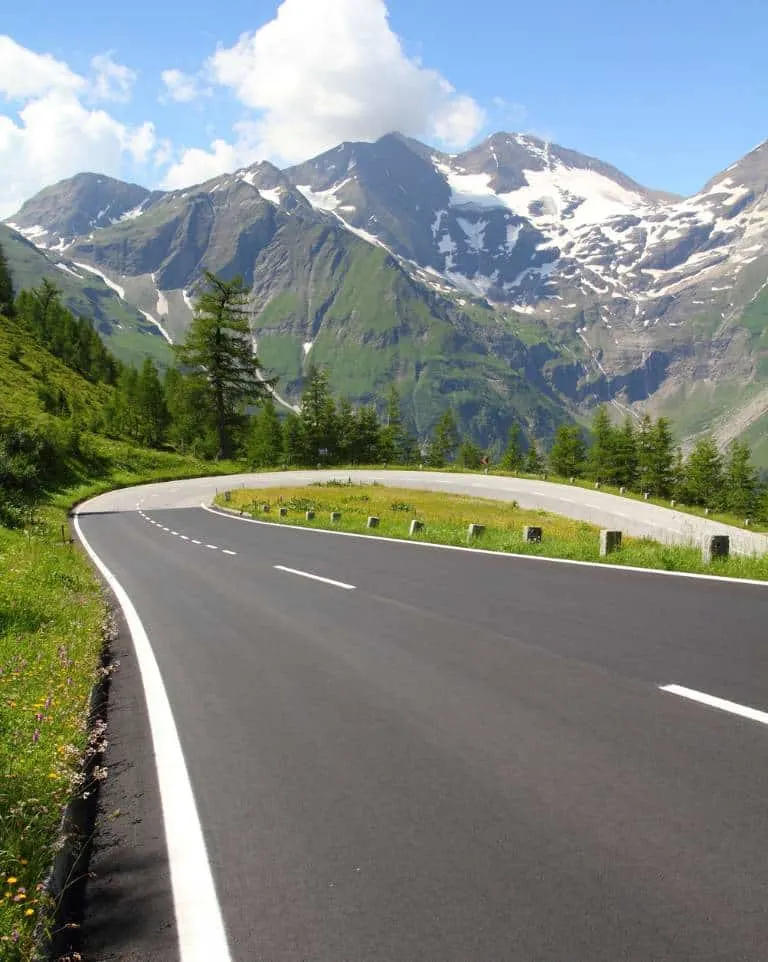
[113, 81]
[25, 74]
[180, 87]
[53, 134]
[321, 72]
[197, 165]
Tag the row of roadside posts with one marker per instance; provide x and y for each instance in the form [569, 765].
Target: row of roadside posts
[714, 546]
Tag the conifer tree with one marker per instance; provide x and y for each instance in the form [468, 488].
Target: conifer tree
[704, 474]
[568, 451]
[445, 441]
[265, 439]
[512, 459]
[741, 487]
[6, 287]
[219, 348]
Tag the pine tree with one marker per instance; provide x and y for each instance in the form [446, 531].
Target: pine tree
[293, 442]
[568, 451]
[346, 432]
[445, 442]
[625, 461]
[265, 440]
[218, 346]
[470, 455]
[741, 487]
[533, 463]
[512, 459]
[602, 454]
[6, 287]
[704, 474]
[191, 425]
[395, 446]
[318, 419]
[151, 408]
[660, 458]
[368, 436]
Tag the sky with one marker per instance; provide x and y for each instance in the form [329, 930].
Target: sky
[168, 93]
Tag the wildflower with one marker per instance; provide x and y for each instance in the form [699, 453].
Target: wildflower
[29, 912]
[35, 736]
[12, 880]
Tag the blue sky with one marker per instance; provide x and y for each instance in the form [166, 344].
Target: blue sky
[670, 92]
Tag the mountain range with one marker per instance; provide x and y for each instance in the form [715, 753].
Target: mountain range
[518, 281]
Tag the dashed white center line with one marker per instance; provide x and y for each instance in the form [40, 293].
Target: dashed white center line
[734, 708]
[306, 574]
[184, 537]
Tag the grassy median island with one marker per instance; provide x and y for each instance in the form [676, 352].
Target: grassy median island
[446, 518]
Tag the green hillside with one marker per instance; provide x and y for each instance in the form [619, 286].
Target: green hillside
[127, 333]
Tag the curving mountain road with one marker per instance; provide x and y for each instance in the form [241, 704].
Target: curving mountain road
[409, 753]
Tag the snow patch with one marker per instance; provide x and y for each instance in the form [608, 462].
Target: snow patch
[158, 325]
[188, 301]
[307, 347]
[120, 291]
[474, 232]
[162, 304]
[63, 267]
[323, 199]
[272, 195]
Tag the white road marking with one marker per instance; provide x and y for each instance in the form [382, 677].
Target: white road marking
[184, 537]
[176, 533]
[166, 529]
[753, 714]
[194, 541]
[213, 547]
[624, 569]
[306, 574]
[227, 551]
[199, 923]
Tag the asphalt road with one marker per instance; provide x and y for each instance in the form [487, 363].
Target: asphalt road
[605, 510]
[432, 755]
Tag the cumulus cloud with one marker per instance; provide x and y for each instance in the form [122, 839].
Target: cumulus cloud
[324, 71]
[180, 87]
[25, 74]
[53, 134]
[197, 165]
[112, 80]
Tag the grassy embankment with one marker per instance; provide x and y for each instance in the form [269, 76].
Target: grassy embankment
[52, 618]
[447, 518]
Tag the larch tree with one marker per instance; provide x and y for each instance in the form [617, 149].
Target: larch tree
[219, 347]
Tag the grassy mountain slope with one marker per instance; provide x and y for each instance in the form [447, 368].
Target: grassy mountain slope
[126, 332]
[22, 379]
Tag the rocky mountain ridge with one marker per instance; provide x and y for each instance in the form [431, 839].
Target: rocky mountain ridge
[649, 301]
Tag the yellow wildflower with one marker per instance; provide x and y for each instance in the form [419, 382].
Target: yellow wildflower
[12, 880]
[30, 912]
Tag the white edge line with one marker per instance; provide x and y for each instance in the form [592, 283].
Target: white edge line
[626, 569]
[713, 702]
[199, 923]
[306, 574]
[227, 551]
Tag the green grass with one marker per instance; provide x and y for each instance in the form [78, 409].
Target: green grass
[52, 614]
[447, 518]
